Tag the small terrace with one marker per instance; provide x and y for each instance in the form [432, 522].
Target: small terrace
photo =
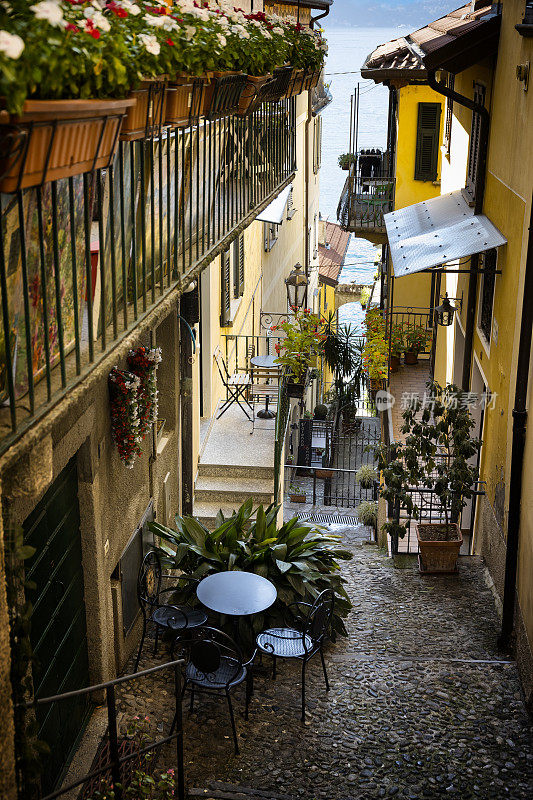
[367, 195]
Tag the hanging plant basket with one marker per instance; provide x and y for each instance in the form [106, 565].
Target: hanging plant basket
[184, 101]
[55, 139]
[125, 427]
[143, 363]
[146, 117]
[439, 547]
[297, 497]
[252, 95]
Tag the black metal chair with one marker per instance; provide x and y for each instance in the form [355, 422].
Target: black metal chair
[214, 665]
[165, 616]
[236, 386]
[305, 643]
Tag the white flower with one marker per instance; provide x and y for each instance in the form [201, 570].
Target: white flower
[150, 42]
[190, 32]
[49, 10]
[97, 19]
[11, 44]
[222, 39]
[266, 34]
[278, 31]
[167, 23]
[131, 8]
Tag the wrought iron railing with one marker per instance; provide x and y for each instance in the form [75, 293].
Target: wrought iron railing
[409, 317]
[83, 260]
[282, 421]
[367, 195]
[238, 350]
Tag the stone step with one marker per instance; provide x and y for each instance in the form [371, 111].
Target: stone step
[212, 488]
[234, 471]
[225, 791]
[206, 512]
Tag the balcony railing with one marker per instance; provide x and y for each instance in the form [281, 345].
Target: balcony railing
[83, 260]
[367, 195]
[409, 317]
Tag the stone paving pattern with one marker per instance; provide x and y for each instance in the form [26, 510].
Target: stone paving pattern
[420, 705]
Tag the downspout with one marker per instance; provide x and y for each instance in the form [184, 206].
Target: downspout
[517, 453]
[441, 88]
[320, 16]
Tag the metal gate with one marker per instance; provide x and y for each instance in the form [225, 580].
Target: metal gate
[352, 446]
[58, 623]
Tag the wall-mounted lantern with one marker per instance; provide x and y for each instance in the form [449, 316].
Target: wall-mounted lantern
[444, 313]
[296, 285]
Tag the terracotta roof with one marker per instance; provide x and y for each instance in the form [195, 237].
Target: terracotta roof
[409, 56]
[332, 258]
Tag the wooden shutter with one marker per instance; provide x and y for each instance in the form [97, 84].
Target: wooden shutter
[449, 115]
[427, 141]
[236, 268]
[473, 154]
[225, 288]
[241, 265]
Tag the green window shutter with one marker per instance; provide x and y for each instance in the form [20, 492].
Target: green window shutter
[241, 264]
[427, 141]
[225, 286]
[236, 268]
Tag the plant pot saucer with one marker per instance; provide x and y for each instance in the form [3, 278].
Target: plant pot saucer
[424, 571]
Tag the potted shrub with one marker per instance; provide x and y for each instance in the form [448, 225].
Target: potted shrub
[346, 160]
[296, 494]
[367, 476]
[321, 412]
[303, 339]
[367, 513]
[415, 340]
[436, 455]
[396, 348]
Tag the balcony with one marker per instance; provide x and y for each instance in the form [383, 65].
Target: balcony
[85, 260]
[367, 195]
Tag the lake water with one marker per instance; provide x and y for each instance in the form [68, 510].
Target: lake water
[348, 48]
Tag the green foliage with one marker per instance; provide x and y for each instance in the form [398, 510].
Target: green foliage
[416, 338]
[346, 160]
[367, 513]
[299, 560]
[366, 475]
[436, 455]
[143, 786]
[397, 341]
[304, 338]
[321, 411]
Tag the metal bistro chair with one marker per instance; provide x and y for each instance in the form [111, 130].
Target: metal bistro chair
[305, 643]
[214, 665]
[236, 385]
[164, 616]
[263, 389]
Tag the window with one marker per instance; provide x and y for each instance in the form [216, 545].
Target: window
[449, 115]
[487, 293]
[231, 279]
[474, 152]
[427, 141]
[225, 288]
[317, 144]
[271, 235]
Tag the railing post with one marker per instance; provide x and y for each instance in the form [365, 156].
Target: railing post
[113, 741]
[314, 487]
[179, 734]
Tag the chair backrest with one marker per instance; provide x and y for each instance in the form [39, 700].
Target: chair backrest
[265, 376]
[221, 366]
[149, 580]
[206, 651]
[319, 618]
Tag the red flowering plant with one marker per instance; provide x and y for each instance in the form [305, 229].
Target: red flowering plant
[123, 390]
[304, 338]
[143, 363]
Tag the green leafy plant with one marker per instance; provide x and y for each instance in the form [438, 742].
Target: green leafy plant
[301, 561]
[304, 338]
[346, 160]
[366, 475]
[397, 341]
[416, 339]
[366, 293]
[436, 455]
[367, 513]
[321, 411]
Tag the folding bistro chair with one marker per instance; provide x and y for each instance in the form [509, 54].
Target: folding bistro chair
[264, 388]
[237, 385]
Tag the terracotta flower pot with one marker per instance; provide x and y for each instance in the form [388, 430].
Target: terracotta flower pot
[248, 101]
[439, 547]
[184, 100]
[149, 110]
[394, 363]
[410, 357]
[55, 139]
[324, 473]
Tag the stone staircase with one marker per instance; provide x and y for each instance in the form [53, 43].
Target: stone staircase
[227, 487]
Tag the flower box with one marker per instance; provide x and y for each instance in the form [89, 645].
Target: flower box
[251, 97]
[295, 390]
[296, 83]
[223, 94]
[55, 139]
[297, 498]
[148, 113]
[439, 547]
[324, 473]
[184, 100]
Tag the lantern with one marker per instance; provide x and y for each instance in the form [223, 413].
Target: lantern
[296, 285]
[444, 313]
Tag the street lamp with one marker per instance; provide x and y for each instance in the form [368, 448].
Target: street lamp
[444, 313]
[296, 285]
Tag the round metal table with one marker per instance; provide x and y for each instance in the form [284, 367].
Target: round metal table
[236, 593]
[267, 363]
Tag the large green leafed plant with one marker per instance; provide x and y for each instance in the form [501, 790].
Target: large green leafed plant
[299, 560]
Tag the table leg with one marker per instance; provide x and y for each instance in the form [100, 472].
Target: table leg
[265, 413]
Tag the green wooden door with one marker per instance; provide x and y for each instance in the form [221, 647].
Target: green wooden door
[58, 624]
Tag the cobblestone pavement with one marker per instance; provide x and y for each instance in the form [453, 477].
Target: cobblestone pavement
[421, 703]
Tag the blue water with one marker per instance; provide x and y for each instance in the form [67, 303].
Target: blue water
[348, 48]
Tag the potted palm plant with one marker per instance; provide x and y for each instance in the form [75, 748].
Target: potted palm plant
[415, 340]
[436, 456]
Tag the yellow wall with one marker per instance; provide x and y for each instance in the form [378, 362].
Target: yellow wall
[414, 290]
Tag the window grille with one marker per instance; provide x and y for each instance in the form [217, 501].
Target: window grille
[487, 293]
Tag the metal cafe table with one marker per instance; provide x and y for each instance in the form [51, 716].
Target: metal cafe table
[236, 593]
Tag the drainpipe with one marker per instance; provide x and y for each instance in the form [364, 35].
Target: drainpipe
[517, 453]
[441, 88]
[320, 16]
[307, 254]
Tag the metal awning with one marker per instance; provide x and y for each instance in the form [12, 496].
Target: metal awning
[275, 211]
[435, 232]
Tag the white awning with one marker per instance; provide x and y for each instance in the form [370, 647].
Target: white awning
[438, 231]
[275, 211]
